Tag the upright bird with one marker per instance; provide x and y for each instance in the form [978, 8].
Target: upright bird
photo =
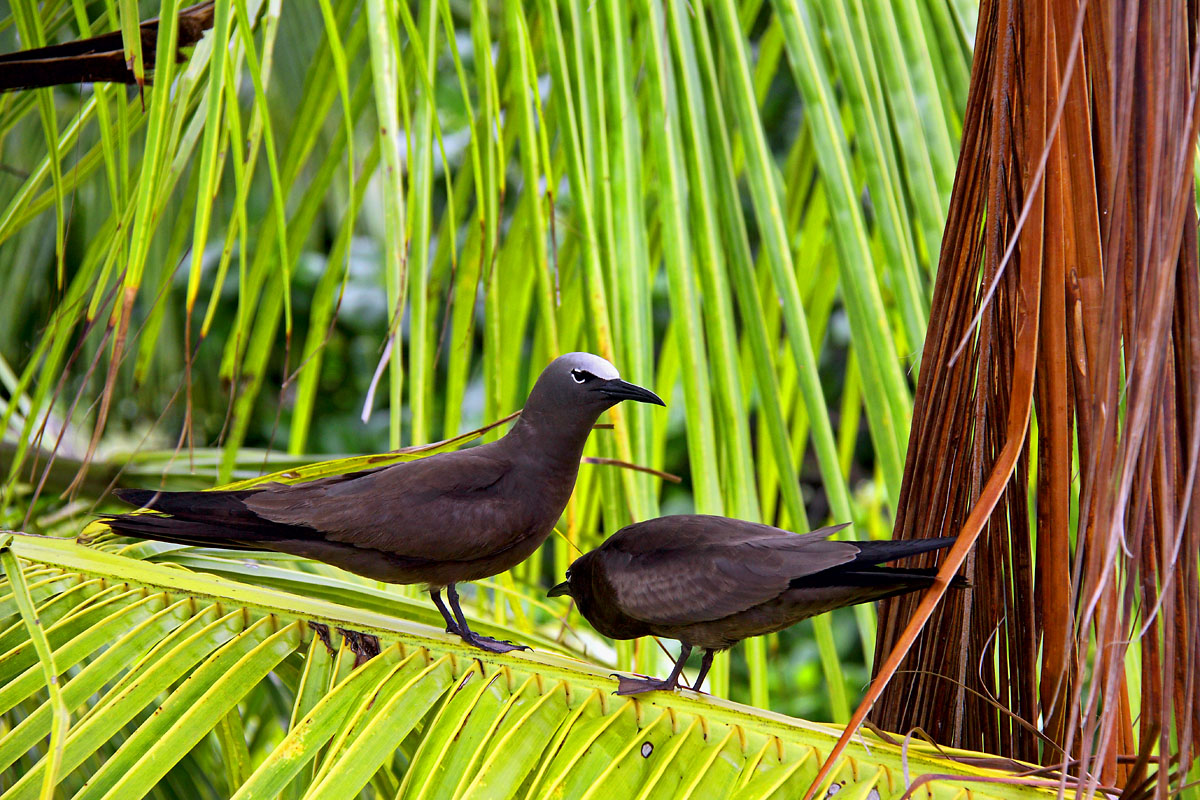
[712, 581]
[439, 520]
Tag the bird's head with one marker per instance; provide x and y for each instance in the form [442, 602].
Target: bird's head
[561, 589]
[582, 385]
[596, 598]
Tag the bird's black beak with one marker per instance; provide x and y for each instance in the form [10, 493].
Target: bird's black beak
[619, 390]
[560, 589]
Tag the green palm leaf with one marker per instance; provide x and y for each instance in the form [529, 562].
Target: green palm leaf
[152, 658]
[332, 209]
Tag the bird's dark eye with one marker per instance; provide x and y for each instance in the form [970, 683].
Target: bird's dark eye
[582, 375]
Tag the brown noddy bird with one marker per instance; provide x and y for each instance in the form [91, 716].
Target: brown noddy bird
[439, 520]
[712, 581]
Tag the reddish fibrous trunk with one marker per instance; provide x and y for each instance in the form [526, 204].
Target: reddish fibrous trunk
[1103, 252]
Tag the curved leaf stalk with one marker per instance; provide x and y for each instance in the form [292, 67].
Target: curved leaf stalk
[428, 717]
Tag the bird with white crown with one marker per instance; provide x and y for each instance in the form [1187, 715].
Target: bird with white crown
[437, 521]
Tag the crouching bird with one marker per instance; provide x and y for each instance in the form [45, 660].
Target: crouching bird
[712, 581]
[439, 520]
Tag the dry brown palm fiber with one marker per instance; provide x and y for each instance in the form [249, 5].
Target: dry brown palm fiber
[1094, 320]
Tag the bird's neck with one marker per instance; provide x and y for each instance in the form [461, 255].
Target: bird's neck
[550, 439]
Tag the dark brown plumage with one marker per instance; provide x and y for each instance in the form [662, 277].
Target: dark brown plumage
[443, 519]
[712, 581]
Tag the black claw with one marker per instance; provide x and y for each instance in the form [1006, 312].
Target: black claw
[627, 686]
[322, 631]
[491, 645]
[364, 645]
[459, 623]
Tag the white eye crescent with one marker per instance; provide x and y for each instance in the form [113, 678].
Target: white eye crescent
[581, 376]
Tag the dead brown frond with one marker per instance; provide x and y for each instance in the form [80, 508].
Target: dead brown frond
[1068, 281]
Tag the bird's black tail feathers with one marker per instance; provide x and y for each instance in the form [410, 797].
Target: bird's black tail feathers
[885, 550]
[189, 504]
[174, 531]
[204, 519]
[903, 579]
[865, 571]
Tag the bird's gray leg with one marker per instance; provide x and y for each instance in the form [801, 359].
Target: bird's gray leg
[451, 625]
[704, 665]
[627, 686]
[471, 637]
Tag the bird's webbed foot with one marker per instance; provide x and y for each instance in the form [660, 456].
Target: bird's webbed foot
[365, 646]
[627, 686]
[488, 643]
[457, 624]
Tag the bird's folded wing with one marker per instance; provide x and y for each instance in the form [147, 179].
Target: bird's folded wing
[686, 585]
[702, 530]
[440, 508]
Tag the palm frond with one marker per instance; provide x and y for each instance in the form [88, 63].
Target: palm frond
[1067, 285]
[160, 666]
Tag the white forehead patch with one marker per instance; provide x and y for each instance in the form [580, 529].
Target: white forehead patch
[591, 363]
